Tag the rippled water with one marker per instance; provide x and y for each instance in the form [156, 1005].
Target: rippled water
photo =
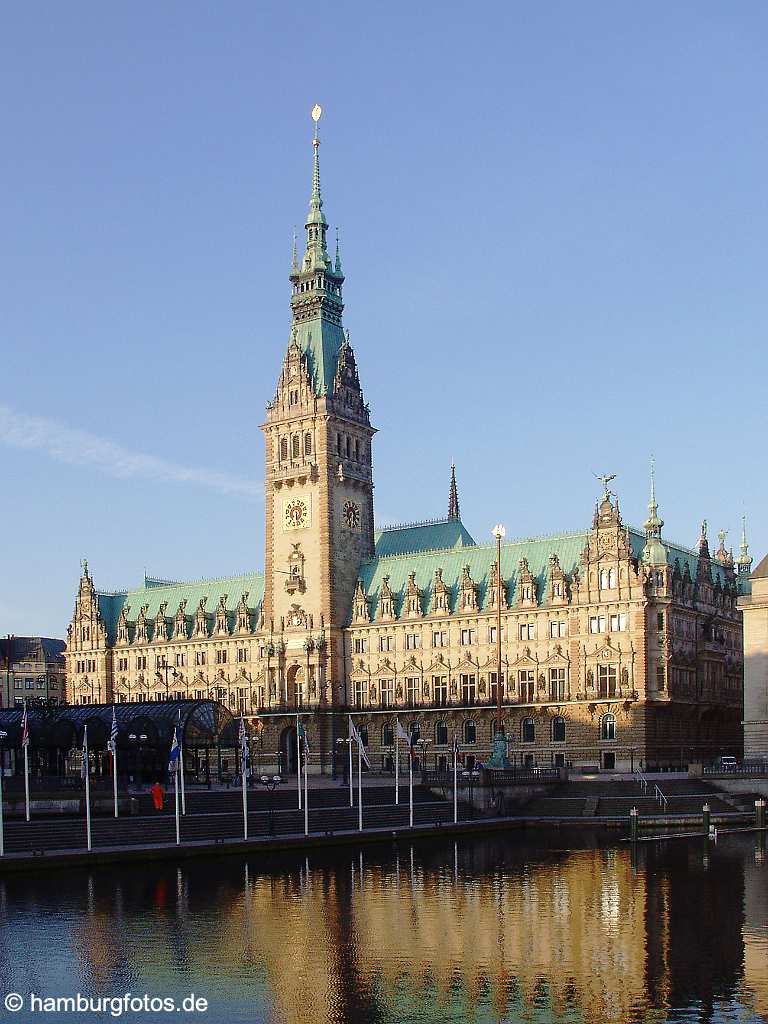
[523, 927]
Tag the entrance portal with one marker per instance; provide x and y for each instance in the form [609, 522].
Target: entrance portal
[288, 757]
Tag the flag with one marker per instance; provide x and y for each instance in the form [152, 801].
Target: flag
[84, 765]
[304, 740]
[406, 737]
[245, 750]
[24, 728]
[173, 761]
[357, 737]
[112, 745]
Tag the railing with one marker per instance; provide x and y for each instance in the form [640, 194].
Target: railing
[497, 776]
[748, 768]
[643, 782]
[661, 800]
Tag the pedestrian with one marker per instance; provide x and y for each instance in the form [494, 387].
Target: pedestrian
[157, 796]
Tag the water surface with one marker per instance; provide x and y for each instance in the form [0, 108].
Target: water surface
[521, 927]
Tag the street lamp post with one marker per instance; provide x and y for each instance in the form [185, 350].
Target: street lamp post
[270, 784]
[423, 744]
[165, 666]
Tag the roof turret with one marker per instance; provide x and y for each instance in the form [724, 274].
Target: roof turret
[654, 552]
[744, 561]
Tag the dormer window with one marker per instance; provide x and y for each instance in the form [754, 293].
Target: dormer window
[293, 396]
[607, 579]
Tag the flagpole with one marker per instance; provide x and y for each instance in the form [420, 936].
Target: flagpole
[351, 796]
[359, 785]
[2, 771]
[298, 761]
[397, 762]
[410, 787]
[176, 798]
[25, 744]
[245, 799]
[306, 794]
[114, 772]
[87, 787]
[455, 782]
[181, 769]
[26, 780]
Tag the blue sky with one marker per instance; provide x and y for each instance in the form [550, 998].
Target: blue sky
[553, 224]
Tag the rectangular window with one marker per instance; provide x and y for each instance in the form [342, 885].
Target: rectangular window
[179, 661]
[557, 683]
[526, 681]
[440, 690]
[527, 630]
[361, 645]
[606, 680]
[386, 643]
[242, 655]
[618, 623]
[492, 682]
[199, 657]
[18, 684]
[660, 620]
[468, 636]
[221, 657]
[440, 639]
[558, 629]
[660, 677]
[387, 692]
[492, 634]
[597, 624]
[468, 689]
[412, 641]
[361, 693]
[412, 688]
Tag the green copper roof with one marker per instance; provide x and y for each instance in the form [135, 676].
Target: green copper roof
[155, 592]
[403, 550]
[427, 536]
[321, 342]
[567, 547]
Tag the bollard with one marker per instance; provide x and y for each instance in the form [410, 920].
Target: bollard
[760, 813]
[705, 815]
[633, 824]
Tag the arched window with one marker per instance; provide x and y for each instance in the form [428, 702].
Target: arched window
[470, 731]
[608, 727]
[387, 735]
[414, 731]
[495, 728]
[295, 446]
[441, 734]
[528, 731]
[558, 730]
[364, 734]
[307, 443]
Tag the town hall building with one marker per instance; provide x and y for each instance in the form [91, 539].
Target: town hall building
[618, 648]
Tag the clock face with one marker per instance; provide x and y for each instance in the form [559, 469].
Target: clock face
[295, 514]
[352, 515]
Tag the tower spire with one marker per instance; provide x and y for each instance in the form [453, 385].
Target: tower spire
[654, 552]
[744, 561]
[453, 495]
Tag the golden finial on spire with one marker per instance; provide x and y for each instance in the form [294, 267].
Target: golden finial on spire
[317, 111]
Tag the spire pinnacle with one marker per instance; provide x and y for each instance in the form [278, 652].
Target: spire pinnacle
[337, 267]
[294, 254]
[744, 561]
[654, 552]
[453, 495]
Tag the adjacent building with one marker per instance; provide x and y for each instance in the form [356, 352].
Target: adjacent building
[617, 647]
[754, 607]
[33, 670]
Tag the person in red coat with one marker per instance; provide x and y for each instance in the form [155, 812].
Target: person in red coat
[157, 796]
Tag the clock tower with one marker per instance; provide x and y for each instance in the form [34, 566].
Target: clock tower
[319, 481]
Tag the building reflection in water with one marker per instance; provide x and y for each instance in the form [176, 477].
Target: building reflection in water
[465, 931]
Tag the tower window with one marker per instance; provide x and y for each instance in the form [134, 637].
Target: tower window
[295, 446]
[307, 444]
[357, 450]
[338, 444]
[283, 449]
[347, 447]
[293, 397]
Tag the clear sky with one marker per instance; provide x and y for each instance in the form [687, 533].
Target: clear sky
[553, 222]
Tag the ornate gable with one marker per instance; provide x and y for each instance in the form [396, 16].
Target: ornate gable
[412, 603]
[493, 588]
[441, 595]
[526, 586]
[180, 622]
[160, 630]
[467, 591]
[201, 624]
[222, 626]
[386, 602]
[361, 611]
